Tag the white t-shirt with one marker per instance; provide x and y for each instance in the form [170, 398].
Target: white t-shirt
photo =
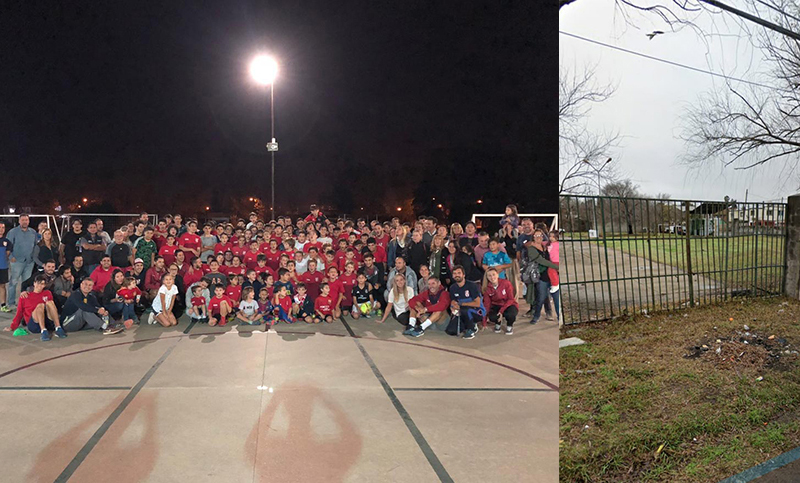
[299, 246]
[401, 304]
[325, 240]
[302, 266]
[168, 296]
[248, 308]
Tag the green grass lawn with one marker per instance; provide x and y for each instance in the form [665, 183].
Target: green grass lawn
[633, 407]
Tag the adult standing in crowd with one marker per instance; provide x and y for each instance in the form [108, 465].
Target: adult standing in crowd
[101, 232]
[46, 249]
[5, 255]
[23, 240]
[92, 247]
[120, 252]
[78, 270]
[70, 242]
[539, 292]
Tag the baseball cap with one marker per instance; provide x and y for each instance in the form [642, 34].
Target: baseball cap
[138, 260]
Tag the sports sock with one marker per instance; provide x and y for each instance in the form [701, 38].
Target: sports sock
[426, 324]
[412, 321]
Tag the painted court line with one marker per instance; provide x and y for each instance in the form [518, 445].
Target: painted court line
[89, 446]
[764, 468]
[477, 389]
[65, 388]
[437, 465]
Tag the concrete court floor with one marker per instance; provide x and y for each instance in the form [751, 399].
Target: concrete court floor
[351, 401]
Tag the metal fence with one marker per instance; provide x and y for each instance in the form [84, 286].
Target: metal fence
[620, 256]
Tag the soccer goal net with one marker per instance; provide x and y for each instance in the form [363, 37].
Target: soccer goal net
[490, 222]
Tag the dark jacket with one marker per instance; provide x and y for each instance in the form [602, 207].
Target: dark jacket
[42, 254]
[76, 301]
[417, 256]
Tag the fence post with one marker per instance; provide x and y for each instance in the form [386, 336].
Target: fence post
[689, 252]
[605, 248]
[791, 286]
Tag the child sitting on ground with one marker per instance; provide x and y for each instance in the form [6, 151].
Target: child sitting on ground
[248, 308]
[198, 312]
[282, 303]
[303, 307]
[130, 295]
[265, 307]
[323, 305]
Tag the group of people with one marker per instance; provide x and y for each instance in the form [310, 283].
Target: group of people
[311, 269]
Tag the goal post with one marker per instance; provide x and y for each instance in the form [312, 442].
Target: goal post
[491, 221]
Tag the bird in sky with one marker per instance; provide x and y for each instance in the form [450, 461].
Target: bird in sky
[653, 34]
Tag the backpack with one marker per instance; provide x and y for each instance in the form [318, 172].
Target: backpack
[528, 270]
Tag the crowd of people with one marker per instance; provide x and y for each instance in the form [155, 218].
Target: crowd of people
[312, 270]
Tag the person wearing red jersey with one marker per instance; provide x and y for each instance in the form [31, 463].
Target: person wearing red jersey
[130, 294]
[153, 278]
[323, 305]
[234, 290]
[102, 274]
[193, 274]
[168, 250]
[377, 251]
[315, 215]
[251, 256]
[312, 242]
[499, 299]
[241, 246]
[336, 291]
[236, 267]
[38, 311]
[312, 279]
[224, 244]
[381, 237]
[341, 253]
[190, 241]
[429, 306]
[282, 303]
[262, 267]
[219, 307]
[348, 279]
[273, 255]
[350, 257]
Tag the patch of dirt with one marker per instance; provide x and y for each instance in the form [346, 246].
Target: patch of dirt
[745, 349]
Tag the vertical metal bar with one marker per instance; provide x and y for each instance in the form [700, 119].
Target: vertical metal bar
[689, 253]
[605, 248]
[755, 253]
[725, 263]
[650, 260]
[785, 239]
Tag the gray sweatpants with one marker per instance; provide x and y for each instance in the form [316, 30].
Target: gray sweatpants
[82, 320]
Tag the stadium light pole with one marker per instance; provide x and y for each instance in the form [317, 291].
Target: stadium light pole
[264, 70]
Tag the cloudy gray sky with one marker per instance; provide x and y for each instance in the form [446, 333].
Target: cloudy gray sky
[648, 107]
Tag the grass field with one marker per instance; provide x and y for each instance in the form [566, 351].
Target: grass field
[643, 400]
[711, 256]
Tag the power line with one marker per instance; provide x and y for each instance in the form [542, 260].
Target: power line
[773, 7]
[753, 18]
[672, 63]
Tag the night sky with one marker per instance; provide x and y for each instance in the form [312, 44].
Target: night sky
[151, 105]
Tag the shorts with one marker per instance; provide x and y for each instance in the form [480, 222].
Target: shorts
[3, 275]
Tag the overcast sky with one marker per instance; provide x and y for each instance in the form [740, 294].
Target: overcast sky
[648, 107]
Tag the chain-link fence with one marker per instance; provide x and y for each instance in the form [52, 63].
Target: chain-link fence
[633, 255]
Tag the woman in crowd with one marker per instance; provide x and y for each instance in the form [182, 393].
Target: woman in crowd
[437, 262]
[109, 299]
[539, 292]
[398, 247]
[397, 301]
[46, 249]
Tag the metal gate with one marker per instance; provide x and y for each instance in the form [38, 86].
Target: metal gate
[621, 256]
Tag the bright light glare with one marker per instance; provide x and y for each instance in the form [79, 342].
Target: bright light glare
[264, 69]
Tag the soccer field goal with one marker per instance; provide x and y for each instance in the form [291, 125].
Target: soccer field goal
[491, 221]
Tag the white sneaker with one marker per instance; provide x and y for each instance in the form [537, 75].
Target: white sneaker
[509, 330]
[151, 319]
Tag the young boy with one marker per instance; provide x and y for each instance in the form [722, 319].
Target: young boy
[219, 307]
[273, 255]
[168, 250]
[251, 257]
[198, 312]
[312, 279]
[253, 281]
[323, 305]
[265, 307]
[282, 303]
[362, 298]
[303, 306]
[283, 281]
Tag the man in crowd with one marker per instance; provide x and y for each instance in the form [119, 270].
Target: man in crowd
[429, 307]
[38, 312]
[466, 305]
[92, 247]
[102, 274]
[70, 242]
[146, 248]
[83, 311]
[22, 239]
[120, 252]
[102, 233]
